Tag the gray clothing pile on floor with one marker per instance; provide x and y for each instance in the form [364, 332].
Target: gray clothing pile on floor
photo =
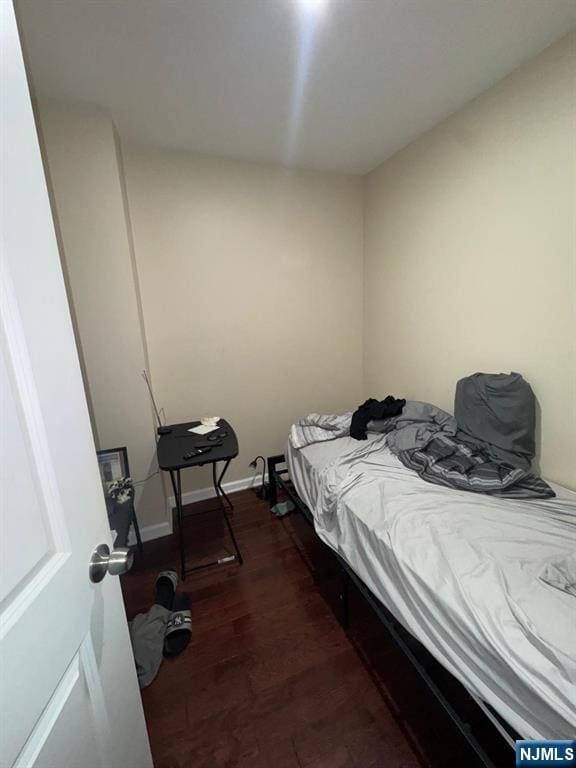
[147, 633]
[486, 447]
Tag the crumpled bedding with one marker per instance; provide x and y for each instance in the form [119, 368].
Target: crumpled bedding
[561, 574]
[448, 461]
[427, 439]
[418, 423]
[460, 571]
[412, 428]
[317, 428]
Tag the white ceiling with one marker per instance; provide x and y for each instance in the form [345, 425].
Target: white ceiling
[264, 80]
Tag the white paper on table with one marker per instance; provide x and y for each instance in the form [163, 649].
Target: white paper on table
[202, 430]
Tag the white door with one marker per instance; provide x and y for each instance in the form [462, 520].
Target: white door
[68, 690]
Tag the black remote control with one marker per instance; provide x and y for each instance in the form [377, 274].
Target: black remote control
[195, 452]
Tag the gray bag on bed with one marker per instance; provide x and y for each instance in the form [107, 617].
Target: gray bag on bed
[498, 411]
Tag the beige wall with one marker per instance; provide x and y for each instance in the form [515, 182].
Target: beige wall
[243, 286]
[251, 281]
[470, 258]
[79, 146]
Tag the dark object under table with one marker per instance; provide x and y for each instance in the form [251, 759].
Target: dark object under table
[121, 516]
[177, 450]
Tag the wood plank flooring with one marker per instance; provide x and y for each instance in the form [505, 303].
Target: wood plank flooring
[270, 679]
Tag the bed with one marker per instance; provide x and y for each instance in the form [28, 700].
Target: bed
[459, 571]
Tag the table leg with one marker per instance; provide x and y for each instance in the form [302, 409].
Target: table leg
[219, 485]
[272, 487]
[221, 495]
[177, 486]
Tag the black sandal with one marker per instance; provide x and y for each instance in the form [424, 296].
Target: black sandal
[165, 589]
[179, 627]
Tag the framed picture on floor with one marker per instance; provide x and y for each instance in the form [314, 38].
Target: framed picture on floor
[113, 464]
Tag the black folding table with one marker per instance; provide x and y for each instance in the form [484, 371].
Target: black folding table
[177, 450]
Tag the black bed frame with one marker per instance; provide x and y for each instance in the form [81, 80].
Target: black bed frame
[410, 647]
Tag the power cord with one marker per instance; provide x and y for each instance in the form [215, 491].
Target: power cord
[145, 480]
[262, 491]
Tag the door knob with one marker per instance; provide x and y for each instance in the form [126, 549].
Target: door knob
[103, 561]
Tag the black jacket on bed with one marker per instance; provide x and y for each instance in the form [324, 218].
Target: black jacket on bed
[373, 410]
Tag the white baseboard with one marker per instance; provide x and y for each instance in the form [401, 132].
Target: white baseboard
[190, 497]
[149, 532]
[157, 531]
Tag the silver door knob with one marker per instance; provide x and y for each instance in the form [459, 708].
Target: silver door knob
[103, 562]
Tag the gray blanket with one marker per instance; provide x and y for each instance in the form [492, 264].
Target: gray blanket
[414, 428]
[449, 461]
[428, 440]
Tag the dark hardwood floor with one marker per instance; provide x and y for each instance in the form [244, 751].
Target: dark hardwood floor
[270, 679]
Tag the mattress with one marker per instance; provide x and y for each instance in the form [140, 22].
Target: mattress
[460, 571]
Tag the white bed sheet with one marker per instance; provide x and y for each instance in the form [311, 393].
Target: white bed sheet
[460, 571]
